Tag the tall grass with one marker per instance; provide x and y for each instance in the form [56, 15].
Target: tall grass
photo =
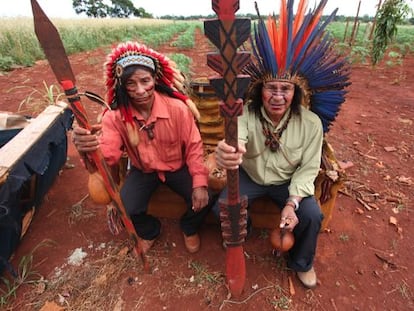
[19, 45]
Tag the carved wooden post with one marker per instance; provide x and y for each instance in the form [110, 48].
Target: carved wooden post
[227, 33]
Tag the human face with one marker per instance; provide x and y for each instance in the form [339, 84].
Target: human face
[277, 97]
[140, 88]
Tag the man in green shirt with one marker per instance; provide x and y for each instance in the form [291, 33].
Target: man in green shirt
[297, 86]
[282, 165]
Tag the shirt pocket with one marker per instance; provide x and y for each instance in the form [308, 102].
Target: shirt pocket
[169, 151]
[288, 159]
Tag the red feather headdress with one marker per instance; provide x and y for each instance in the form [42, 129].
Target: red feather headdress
[134, 53]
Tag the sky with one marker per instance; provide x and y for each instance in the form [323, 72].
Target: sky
[64, 9]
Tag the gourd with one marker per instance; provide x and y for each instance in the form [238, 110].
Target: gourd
[97, 190]
[281, 239]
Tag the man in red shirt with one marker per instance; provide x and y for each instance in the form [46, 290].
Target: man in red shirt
[150, 122]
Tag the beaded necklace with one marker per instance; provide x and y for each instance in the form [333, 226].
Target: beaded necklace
[273, 139]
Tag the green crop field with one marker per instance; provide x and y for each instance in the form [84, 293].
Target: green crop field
[19, 45]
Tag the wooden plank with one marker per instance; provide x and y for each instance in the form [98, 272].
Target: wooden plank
[167, 204]
[264, 213]
[17, 147]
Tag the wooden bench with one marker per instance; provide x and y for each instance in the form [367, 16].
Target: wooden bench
[264, 213]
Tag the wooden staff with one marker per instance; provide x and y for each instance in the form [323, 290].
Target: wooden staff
[52, 45]
[227, 33]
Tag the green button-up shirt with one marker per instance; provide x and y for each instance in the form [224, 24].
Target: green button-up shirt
[298, 159]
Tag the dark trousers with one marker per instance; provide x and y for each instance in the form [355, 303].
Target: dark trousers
[136, 194]
[302, 254]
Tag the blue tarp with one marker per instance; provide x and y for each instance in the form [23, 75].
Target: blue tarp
[44, 160]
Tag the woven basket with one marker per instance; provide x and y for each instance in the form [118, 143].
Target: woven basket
[211, 123]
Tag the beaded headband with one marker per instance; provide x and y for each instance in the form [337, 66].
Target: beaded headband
[130, 60]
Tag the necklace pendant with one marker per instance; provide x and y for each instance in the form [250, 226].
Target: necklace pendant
[274, 146]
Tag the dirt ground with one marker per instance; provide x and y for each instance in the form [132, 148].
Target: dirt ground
[364, 259]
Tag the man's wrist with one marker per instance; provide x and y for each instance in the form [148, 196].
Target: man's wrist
[293, 202]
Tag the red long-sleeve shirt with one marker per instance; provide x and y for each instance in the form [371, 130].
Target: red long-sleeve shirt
[176, 141]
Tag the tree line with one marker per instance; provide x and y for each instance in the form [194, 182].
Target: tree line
[117, 9]
[126, 9]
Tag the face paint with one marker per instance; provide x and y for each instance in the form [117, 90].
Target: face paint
[140, 87]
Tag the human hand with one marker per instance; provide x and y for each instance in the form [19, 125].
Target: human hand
[288, 218]
[200, 198]
[86, 140]
[228, 157]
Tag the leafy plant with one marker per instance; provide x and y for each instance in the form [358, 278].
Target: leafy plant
[186, 39]
[395, 58]
[359, 54]
[6, 62]
[389, 16]
[183, 62]
[25, 275]
[37, 100]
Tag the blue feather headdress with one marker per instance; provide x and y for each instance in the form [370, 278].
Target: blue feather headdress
[297, 49]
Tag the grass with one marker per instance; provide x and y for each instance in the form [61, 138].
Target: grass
[401, 208]
[19, 45]
[282, 301]
[404, 290]
[91, 284]
[77, 212]
[264, 234]
[186, 39]
[344, 237]
[25, 275]
[37, 100]
[183, 63]
[203, 275]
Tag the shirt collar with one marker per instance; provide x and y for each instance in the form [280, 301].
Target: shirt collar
[159, 109]
[266, 117]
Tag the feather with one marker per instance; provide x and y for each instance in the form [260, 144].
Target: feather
[96, 98]
[297, 47]
[283, 36]
[273, 36]
[289, 24]
[300, 14]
